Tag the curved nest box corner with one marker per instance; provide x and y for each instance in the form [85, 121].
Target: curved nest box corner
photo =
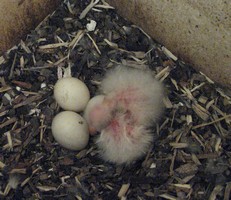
[198, 32]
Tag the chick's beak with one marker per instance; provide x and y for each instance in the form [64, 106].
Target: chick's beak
[92, 130]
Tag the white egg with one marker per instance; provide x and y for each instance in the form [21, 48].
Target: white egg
[70, 130]
[71, 94]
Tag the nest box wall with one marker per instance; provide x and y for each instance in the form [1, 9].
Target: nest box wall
[198, 32]
[18, 17]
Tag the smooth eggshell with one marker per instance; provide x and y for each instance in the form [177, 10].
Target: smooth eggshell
[71, 94]
[70, 130]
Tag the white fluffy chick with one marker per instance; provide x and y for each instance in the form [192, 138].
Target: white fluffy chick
[131, 102]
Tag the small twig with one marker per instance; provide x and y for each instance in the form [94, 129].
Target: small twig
[13, 66]
[24, 47]
[105, 5]
[9, 139]
[171, 170]
[178, 145]
[22, 84]
[37, 68]
[28, 101]
[2, 165]
[5, 89]
[95, 45]
[209, 123]
[215, 192]
[2, 60]
[42, 127]
[3, 113]
[227, 194]
[88, 8]
[76, 39]
[8, 122]
[53, 46]
[168, 196]
[163, 73]
[115, 46]
[134, 26]
[123, 190]
[169, 53]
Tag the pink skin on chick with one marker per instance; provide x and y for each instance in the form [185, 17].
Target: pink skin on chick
[99, 116]
[98, 113]
[132, 101]
[123, 141]
[101, 110]
[136, 90]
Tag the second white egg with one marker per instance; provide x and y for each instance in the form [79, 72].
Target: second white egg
[70, 130]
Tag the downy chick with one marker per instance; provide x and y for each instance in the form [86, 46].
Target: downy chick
[131, 102]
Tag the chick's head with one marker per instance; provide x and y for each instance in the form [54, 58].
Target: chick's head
[99, 113]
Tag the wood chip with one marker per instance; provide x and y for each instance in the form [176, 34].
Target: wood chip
[123, 190]
[183, 186]
[88, 8]
[227, 194]
[168, 196]
[217, 189]
[2, 165]
[44, 188]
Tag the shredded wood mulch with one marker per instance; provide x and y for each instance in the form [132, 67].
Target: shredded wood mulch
[191, 153]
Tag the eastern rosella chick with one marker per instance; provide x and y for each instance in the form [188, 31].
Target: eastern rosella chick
[130, 103]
